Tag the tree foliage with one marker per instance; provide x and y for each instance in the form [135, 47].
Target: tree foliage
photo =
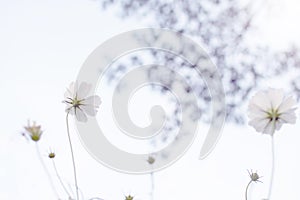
[225, 28]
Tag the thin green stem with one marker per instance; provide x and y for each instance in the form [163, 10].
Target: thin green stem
[46, 170]
[272, 168]
[72, 153]
[60, 180]
[246, 193]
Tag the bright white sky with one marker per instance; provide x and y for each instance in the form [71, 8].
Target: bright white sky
[42, 46]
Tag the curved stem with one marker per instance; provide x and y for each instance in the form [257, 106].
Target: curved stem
[72, 153]
[246, 193]
[272, 168]
[60, 180]
[46, 170]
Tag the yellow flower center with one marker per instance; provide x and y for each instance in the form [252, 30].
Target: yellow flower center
[129, 197]
[76, 102]
[35, 137]
[273, 115]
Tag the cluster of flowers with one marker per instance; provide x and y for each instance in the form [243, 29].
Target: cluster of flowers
[268, 111]
[78, 103]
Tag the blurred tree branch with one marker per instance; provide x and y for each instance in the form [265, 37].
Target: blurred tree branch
[225, 28]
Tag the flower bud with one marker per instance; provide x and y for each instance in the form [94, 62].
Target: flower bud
[254, 176]
[150, 160]
[34, 131]
[51, 155]
[129, 197]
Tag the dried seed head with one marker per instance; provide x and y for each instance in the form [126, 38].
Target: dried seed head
[150, 160]
[254, 176]
[51, 155]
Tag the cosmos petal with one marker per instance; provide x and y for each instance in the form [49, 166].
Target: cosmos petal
[80, 115]
[270, 128]
[259, 124]
[260, 99]
[83, 90]
[278, 124]
[93, 100]
[68, 94]
[89, 110]
[287, 104]
[288, 117]
[276, 97]
[255, 111]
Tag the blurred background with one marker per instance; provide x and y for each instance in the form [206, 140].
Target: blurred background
[43, 44]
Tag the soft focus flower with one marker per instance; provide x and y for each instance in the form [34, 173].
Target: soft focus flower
[78, 103]
[128, 197]
[254, 176]
[151, 160]
[269, 110]
[51, 155]
[33, 131]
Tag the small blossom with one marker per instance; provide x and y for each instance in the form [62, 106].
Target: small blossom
[34, 131]
[269, 110]
[51, 155]
[254, 176]
[79, 103]
[151, 160]
[129, 197]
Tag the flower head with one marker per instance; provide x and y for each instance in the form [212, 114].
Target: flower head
[51, 155]
[151, 160]
[79, 103]
[129, 197]
[269, 110]
[254, 176]
[33, 131]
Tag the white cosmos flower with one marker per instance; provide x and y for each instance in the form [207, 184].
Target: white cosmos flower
[79, 103]
[34, 131]
[269, 110]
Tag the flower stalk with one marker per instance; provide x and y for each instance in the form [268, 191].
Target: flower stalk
[151, 161]
[60, 179]
[46, 170]
[272, 168]
[152, 185]
[72, 154]
[246, 192]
